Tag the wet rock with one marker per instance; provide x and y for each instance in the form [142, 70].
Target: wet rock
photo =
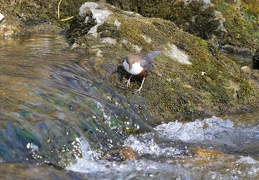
[206, 153]
[256, 60]
[120, 154]
[234, 50]
[28, 171]
[21, 16]
[79, 26]
[50, 145]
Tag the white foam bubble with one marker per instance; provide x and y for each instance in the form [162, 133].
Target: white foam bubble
[214, 130]
[194, 131]
[211, 131]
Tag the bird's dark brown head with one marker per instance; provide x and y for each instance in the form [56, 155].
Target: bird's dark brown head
[133, 58]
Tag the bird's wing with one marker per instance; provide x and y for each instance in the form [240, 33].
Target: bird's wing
[146, 63]
[153, 54]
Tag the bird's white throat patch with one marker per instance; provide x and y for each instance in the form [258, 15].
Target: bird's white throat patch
[135, 70]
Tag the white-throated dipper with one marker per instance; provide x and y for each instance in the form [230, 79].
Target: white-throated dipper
[140, 65]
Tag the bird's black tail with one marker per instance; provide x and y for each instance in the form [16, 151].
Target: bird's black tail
[153, 54]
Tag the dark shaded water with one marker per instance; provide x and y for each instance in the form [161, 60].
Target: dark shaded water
[57, 107]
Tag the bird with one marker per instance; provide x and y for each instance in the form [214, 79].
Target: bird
[139, 65]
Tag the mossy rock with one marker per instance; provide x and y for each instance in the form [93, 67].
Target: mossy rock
[205, 84]
[225, 23]
[35, 17]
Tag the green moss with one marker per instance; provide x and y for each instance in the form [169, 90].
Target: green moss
[222, 7]
[251, 8]
[241, 25]
[108, 30]
[133, 34]
[212, 85]
[241, 18]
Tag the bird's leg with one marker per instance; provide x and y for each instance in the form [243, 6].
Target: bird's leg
[128, 81]
[139, 89]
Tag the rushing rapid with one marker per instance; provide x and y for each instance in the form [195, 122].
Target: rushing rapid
[211, 148]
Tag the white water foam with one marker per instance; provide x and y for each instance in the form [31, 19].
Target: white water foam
[198, 130]
[138, 169]
[151, 147]
[213, 130]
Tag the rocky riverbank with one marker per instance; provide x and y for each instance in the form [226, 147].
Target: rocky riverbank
[192, 77]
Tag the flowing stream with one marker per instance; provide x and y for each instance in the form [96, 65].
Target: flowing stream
[50, 96]
[178, 153]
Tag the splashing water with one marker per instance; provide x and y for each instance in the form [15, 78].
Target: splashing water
[232, 153]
